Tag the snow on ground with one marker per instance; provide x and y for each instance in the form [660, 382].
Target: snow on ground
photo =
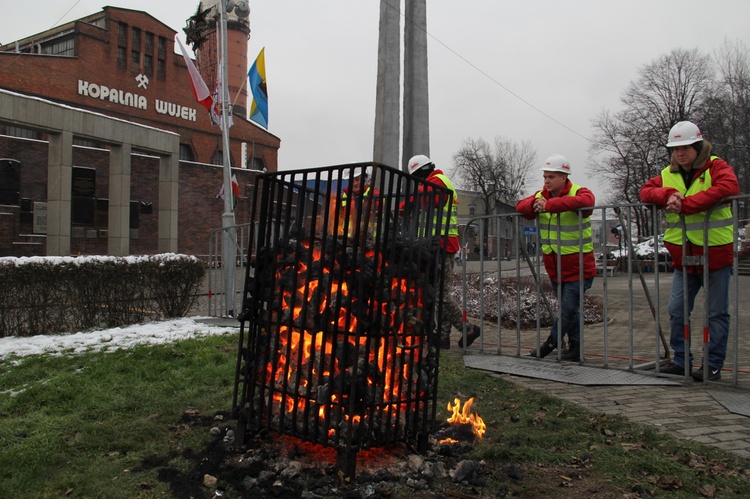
[108, 340]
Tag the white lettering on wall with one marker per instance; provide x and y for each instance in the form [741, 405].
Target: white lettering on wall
[186, 113]
[128, 99]
[113, 95]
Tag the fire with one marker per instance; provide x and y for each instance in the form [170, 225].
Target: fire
[306, 353]
[341, 345]
[465, 416]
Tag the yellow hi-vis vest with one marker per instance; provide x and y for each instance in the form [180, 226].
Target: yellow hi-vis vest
[569, 234]
[450, 213]
[720, 225]
[345, 195]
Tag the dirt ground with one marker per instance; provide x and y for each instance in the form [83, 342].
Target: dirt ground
[285, 468]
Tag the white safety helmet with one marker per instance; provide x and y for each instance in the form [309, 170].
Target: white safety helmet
[684, 133]
[356, 172]
[557, 163]
[417, 162]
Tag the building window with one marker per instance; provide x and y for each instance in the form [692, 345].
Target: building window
[257, 164]
[472, 209]
[83, 201]
[135, 49]
[85, 142]
[135, 39]
[24, 133]
[122, 34]
[122, 54]
[122, 45]
[148, 54]
[162, 47]
[10, 181]
[186, 153]
[161, 58]
[149, 43]
[218, 158]
[148, 64]
[65, 46]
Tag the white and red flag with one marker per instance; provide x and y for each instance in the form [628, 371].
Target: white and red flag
[235, 191]
[200, 90]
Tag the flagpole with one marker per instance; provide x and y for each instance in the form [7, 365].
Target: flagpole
[239, 92]
[229, 231]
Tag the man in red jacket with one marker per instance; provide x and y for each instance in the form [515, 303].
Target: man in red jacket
[694, 182]
[556, 207]
[422, 167]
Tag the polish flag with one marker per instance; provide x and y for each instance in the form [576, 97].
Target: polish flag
[235, 191]
[200, 90]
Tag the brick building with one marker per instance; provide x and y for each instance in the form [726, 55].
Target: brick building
[122, 64]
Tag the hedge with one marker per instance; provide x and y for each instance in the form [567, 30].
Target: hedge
[44, 295]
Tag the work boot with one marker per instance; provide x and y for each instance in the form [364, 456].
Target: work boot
[445, 343]
[573, 352]
[675, 369]
[713, 374]
[471, 336]
[545, 349]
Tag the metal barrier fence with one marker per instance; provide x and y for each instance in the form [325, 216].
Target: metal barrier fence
[627, 325]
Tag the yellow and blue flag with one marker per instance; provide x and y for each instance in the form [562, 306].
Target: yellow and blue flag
[257, 78]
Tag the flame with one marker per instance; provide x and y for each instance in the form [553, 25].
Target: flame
[346, 222]
[465, 416]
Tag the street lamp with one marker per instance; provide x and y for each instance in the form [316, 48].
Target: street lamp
[195, 31]
[490, 188]
[490, 202]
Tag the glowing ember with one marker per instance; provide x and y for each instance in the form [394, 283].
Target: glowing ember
[448, 441]
[465, 416]
[325, 363]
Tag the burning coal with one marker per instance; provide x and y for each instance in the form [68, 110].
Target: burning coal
[342, 343]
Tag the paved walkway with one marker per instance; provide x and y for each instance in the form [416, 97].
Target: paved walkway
[686, 410]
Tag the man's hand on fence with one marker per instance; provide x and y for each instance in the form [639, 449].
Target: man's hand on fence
[674, 203]
[540, 204]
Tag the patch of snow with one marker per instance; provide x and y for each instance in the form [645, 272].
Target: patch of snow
[109, 340]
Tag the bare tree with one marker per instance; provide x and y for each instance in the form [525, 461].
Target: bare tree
[726, 119]
[670, 89]
[630, 144]
[499, 171]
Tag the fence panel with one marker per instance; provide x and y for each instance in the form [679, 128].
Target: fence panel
[626, 309]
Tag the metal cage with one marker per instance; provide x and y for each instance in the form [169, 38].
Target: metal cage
[339, 336]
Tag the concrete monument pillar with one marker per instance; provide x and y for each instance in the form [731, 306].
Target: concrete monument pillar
[388, 89]
[415, 137]
[416, 134]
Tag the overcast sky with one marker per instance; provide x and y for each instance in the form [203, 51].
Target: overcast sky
[526, 70]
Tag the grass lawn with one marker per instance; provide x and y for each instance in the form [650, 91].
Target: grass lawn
[125, 424]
